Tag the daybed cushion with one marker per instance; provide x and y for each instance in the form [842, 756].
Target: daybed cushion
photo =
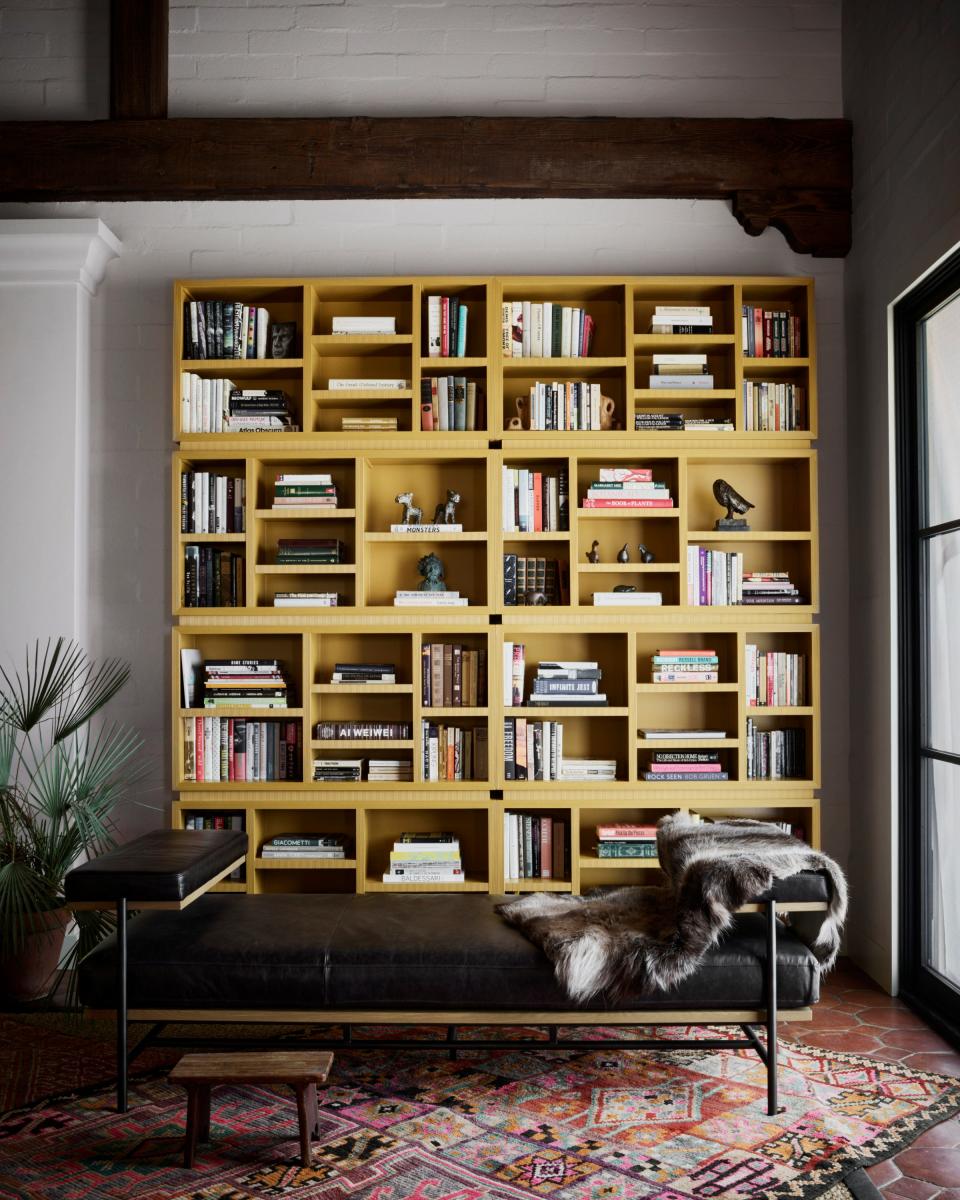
[394, 952]
[164, 865]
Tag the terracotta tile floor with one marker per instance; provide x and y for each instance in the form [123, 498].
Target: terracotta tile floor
[855, 1014]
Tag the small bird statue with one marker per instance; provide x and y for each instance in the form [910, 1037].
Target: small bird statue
[623, 555]
[730, 499]
[646, 556]
[593, 554]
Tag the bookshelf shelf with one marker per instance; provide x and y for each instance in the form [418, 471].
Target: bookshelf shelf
[775, 469]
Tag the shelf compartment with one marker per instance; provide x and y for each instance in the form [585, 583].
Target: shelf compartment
[665, 470]
[268, 468]
[766, 721]
[781, 295]
[720, 364]
[328, 414]
[286, 648]
[605, 302]
[353, 298]
[617, 528]
[528, 549]
[583, 737]
[766, 553]
[608, 650]
[271, 581]
[438, 673]
[690, 707]
[781, 486]
[463, 818]
[392, 566]
[730, 759]
[361, 362]
[517, 384]
[656, 577]
[430, 479]
[472, 294]
[724, 645]
[718, 297]
[467, 721]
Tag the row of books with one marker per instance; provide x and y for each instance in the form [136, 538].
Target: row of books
[627, 488]
[716, 578]
[575, 405]
[770, 333]
[529, 329]
[372, 731]
[775, 753]
[213, 578]
[211, 502]
[425, 858]
[535, 501]
[685, 766]
[535, 846]
[204, 403]
[450, 402]
[304, 489]
[353, 770]
[670, 422]
[311, 552]
[453, 753]
[774, 678]
[685, 666]
[452, 675]
[626, 841]
[244, 683]
[671, 371]
[532, 750]
[332, 846]
[209, 820]
[774, 407]
[533, 580]
[447, 328]
[229, 329]
[240, 750]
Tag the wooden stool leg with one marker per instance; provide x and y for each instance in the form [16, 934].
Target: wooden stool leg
[203, 1113]
[306, 1122]
[193, 1121]
[313, 1110]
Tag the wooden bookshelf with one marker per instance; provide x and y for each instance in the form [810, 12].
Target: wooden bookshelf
[777, 471]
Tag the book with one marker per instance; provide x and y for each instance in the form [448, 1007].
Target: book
[695, 735]
[631, 599]
[353, 384]
[385, 325]
[625, 849]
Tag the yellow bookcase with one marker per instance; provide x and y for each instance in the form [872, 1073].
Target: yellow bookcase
[775, 470]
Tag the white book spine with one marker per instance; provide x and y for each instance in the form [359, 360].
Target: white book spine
[536, 332]
[548, 329]
[507, 675]
[263, 321]
[185, 388]
[506, 329]
[565, 319]
[433, 326]
[526, 328]
[443, 404]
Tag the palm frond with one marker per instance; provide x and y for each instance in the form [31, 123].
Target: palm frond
[23, 892]
[31, 694]
[8, 749]
[94, 687]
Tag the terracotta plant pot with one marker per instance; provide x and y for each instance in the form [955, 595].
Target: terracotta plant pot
[29, 974]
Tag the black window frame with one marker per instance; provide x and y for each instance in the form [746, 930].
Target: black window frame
[925, 991]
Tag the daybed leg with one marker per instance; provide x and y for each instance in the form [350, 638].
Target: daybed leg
[451, 1041]
[552, 1034]
[772, 1096]
[122, 1061]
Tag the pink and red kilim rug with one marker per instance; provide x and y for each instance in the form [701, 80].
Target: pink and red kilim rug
[396, 1125]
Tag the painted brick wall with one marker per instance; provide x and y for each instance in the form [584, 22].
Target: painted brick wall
[902, 92]
[374, 57]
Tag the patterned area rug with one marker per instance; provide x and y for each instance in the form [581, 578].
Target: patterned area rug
[395, 1125]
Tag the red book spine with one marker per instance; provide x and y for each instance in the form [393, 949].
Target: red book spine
[587, 339]
[444, 326]
[758, 332]
[538, 502]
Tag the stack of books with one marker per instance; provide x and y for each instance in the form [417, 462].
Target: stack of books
[389, 770]
[778, 407]
[305, 845]
[352, 731]
[452, 676]
[204, 403]
[244, 683]
[626, 841]
[212, 578]
[259, 410]
[452, 753]
[535, 501]
[368, 424]
[532, 330]
[224, 329]
[683, 735]
[685, 766]
[238, 750]
[535, 846]
[425, 858]
[634, 599]
[449, 403]
[685, 666]
[573, 405]
[681, 318]
[774, 678]
[337, 770]
[304, 490]
[680, 371]
[211, 503]
[589, 770]
[666, 422]
[775, 753]
[309, 551]
[363, 673]
[526, 574]
[628, 488]
[567, 684]
[532, 750]
[368, 325]
[446, 327]
[770, 333]
[306, 599]
[418, 599]
[769, 587]
[709, 424]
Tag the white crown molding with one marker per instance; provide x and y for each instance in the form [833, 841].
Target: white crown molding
[69, 250]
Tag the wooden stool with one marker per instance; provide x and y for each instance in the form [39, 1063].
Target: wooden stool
[302, 1070]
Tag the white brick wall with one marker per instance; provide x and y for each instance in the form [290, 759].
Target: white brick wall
[376, 57]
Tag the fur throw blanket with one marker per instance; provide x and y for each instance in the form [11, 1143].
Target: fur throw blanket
[645, 938]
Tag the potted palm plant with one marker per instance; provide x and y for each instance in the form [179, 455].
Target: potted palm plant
[64, 770]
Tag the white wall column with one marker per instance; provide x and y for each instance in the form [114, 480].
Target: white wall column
[49, 270]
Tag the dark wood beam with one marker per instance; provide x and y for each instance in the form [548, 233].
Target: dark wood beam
[139, 35]
[794, 175]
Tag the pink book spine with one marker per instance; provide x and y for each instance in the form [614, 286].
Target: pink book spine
[668, 768]
[546, 848]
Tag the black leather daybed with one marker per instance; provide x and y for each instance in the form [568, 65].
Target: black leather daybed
[443, 959]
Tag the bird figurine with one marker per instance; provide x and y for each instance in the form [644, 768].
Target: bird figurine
[729, 498]
[623, 555]
[593, 554]
[646, 556]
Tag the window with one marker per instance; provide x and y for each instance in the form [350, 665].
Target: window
[927, 347]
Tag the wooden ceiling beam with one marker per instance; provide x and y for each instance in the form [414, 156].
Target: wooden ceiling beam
[794, 175]
[139, 41]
